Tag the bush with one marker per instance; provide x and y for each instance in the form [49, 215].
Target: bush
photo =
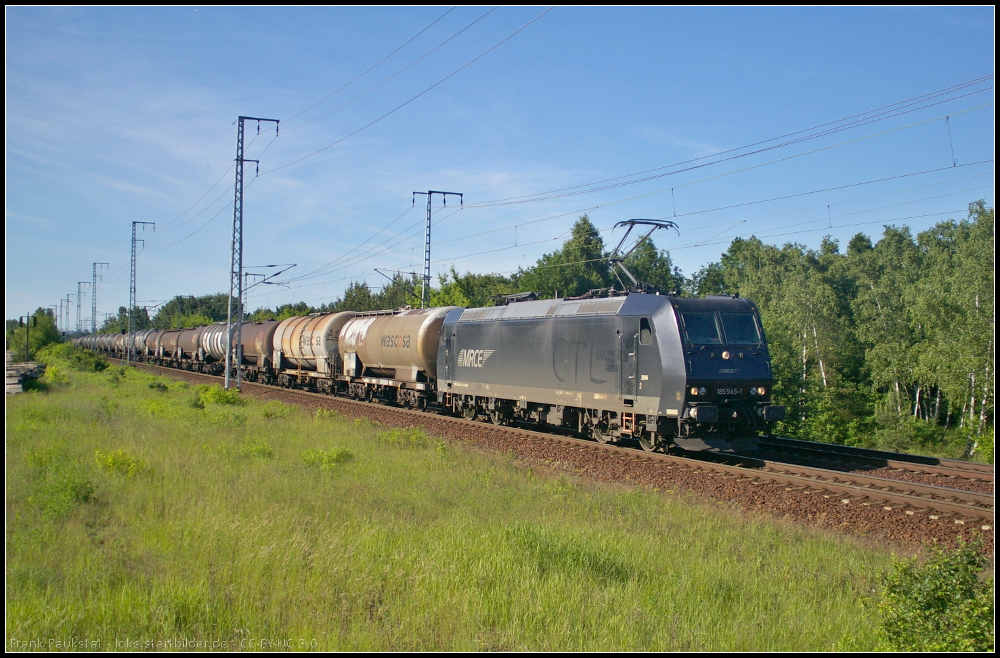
[73, 357]
[54, 375]
[275, 409]
[410, 437]
[941, 605]
[121, 462]
[60, 483]
[218, 395]
[327, 460]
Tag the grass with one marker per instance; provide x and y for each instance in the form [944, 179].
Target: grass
[145, 514]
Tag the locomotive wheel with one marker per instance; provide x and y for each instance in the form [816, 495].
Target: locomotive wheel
[469, 413]
[648, 441]
[498, 418]
[600, 433]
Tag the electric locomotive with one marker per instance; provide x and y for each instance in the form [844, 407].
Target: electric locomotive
[659, 369]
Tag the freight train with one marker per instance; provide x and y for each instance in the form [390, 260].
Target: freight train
[658, 369]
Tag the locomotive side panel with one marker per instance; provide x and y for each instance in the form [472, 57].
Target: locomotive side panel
[572, 361]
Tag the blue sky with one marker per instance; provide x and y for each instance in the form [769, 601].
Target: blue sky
[119, 115]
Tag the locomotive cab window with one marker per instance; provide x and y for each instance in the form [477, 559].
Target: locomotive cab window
[645, 332]
[701, 329]
[740, 328]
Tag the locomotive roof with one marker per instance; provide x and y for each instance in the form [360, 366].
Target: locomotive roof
[636, 304]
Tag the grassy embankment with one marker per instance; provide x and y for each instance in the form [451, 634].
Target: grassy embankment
[139, 510]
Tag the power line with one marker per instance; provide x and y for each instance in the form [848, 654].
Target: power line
[730, 225]
[855, 119]
[370, 68]
[759, 201]
[778, 160]
[373, 88]
[225, 173]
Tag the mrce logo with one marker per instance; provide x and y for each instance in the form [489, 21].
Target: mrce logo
[473, 358]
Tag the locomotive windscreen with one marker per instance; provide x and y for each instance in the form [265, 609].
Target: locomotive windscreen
[740, 329]
[701, 328]
[735, 329]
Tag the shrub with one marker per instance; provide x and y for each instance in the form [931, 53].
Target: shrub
[255, 448]
[326, 460]
[275, 409]
[54, 376]
[121, 462]
[116, 376]
[59, 483]
[409, 437]
[218, 395]
[323, 414]
[941, 605]
[75, 358]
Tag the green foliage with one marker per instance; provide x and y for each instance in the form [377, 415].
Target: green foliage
[58, 482]
[888, 345]
[119, 323]
[116, 376]
[943, 604]
[408, 437]
[422, 551]
[73, 357]
[54, 376]
[470, 290]
[326, 460]
[44, 332]
[326, 414]
[215, 394]
[577, 267]
[120, 462]
[654, 267]
[254, 447]
[186, 311]
[275, 409]
[982, 446]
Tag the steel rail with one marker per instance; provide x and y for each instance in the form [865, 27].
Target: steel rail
[917, 463]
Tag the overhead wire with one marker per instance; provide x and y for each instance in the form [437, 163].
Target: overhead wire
[411, 64]
[404, 104]
[854, 119]
[750, 203]
[370, 68]
[755, 166]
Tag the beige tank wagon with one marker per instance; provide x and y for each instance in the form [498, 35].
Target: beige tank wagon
[399, 346]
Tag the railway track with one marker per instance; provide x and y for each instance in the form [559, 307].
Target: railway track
[844, 487]
[950, 468]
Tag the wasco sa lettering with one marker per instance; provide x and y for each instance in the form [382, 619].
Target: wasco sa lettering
[473, 358]
[396, 341]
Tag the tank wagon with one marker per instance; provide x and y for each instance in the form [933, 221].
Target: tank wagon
[657, 369]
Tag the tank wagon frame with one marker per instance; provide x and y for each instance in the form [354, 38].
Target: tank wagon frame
[658, 369]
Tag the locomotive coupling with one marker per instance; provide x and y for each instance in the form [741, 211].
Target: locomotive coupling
[704, 414]
[773, 413]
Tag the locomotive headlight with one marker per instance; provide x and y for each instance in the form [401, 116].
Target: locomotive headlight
[762, 391]
[702, 391]
[694, 390]
[726, 355]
